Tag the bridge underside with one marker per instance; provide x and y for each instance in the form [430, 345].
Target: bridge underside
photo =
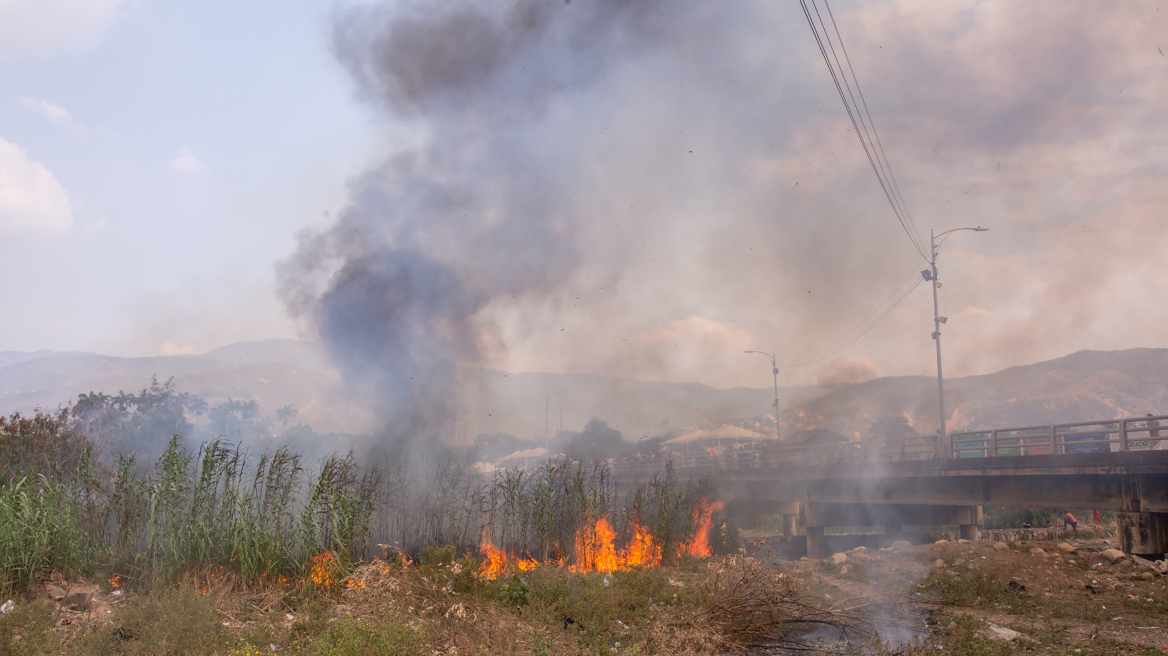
[952, 492]
[1120, 492]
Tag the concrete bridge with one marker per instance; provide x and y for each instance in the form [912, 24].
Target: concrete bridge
[1119, 465]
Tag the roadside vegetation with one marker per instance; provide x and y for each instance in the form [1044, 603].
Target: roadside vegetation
[217, 550]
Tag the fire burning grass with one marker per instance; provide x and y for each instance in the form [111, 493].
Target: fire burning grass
[595, 548]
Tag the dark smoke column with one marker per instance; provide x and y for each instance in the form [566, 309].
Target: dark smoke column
[481, 208]
[393, 321]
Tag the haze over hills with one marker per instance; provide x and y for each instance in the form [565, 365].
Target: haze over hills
[276, 373]
[1082, 386]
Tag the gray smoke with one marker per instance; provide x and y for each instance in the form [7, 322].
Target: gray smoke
[648, 188]
[478, 208]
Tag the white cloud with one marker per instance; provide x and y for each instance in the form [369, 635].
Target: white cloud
[170, 348]
[184, 160]
[50, 27]
[54, 113]
[31, 199]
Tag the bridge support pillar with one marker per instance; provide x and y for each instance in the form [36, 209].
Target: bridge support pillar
[790, 513]
[815, 546]
[816, 521]
[789, 527]
[1143, 533]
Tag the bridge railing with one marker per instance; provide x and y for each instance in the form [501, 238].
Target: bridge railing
[768, 456]
[1130, 434]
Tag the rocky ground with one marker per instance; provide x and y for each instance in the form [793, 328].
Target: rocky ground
[1074, 597]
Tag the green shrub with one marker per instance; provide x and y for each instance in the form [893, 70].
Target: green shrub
[40, 445]
[435, 556]
[389, 636]
[515, 592]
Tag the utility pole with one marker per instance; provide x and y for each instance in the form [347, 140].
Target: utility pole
[930, 274]
[775, 371]
[546, 405]
[943, 438]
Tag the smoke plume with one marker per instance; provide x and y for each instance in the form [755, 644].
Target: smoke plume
[647, 188]
[476, 207]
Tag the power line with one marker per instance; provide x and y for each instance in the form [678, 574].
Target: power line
[868, 140]
[865, 326]
[879, 144]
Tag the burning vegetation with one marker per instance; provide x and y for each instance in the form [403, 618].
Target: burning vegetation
[552, 556]
[595, 548]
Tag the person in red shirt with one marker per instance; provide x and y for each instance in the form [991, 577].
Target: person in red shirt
[1069, 520]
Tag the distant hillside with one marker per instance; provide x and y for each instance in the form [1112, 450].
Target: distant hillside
[1082, 386]
[275, 373]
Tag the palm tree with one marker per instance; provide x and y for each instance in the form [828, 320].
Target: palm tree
[286, 415]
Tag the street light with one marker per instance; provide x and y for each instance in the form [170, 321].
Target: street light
[931, 274]
[775, 371]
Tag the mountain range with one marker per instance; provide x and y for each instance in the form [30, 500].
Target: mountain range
[275, 373]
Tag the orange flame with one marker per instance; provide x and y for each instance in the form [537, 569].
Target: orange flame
[323, 566]
[699, 544]
[496, 560]
[596, 547]
[117, 582]
[596, 551]
[641, 551]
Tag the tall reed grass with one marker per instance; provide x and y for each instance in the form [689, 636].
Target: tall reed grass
[268, 515]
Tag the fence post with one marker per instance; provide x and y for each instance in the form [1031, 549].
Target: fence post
[1123, 434]
[994, 443]
[1053, 440]
[903, 440]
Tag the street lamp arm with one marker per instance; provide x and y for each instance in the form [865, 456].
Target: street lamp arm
[977, 229]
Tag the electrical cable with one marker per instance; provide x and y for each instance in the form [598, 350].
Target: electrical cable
[865, 331]
[880, 145]
[854, 115]
[864, 327]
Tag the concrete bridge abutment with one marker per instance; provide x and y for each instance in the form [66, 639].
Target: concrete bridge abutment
[1143, 533]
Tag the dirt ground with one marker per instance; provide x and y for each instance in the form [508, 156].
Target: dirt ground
[1077, 603]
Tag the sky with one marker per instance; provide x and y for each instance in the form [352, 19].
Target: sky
[675, 186]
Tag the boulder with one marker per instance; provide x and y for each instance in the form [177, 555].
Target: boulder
[1159, 566]
[79, 597]
[1001, 546]
[1066, 547]
[839, 558]
[941, 542]
[1147, 576]
[901, 545]
[1037, 551]
[55, 592]
[995, 632]
[1113, 555]
[938, 563]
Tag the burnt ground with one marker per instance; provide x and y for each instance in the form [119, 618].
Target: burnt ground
[1077, 603]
